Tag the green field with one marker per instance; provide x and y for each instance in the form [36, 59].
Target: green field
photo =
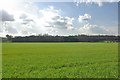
[60, 60]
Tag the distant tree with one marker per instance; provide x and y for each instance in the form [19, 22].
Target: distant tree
[70, 38]
[9, 37]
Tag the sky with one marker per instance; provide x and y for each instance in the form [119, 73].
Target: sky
[58, 18]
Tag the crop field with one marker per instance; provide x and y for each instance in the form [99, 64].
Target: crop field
[60, 60]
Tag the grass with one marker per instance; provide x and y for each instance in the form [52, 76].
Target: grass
[60, 60]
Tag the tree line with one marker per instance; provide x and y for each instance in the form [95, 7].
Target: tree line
[70, 38]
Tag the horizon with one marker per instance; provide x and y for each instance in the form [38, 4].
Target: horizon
[60, 35]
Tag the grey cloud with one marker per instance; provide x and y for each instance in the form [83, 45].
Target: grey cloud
[56, 17]
[5, 16]
[11, 30]
[24, 23]
[60, 22]
[28, 20]
[23, 16]
[25, 19]
[85, 19]
[24, 32]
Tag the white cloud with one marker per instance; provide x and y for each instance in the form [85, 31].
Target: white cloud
[8, 28]
[99, 2]
[51, 7]
[84, 18]
[94, 29]
[52, 19]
